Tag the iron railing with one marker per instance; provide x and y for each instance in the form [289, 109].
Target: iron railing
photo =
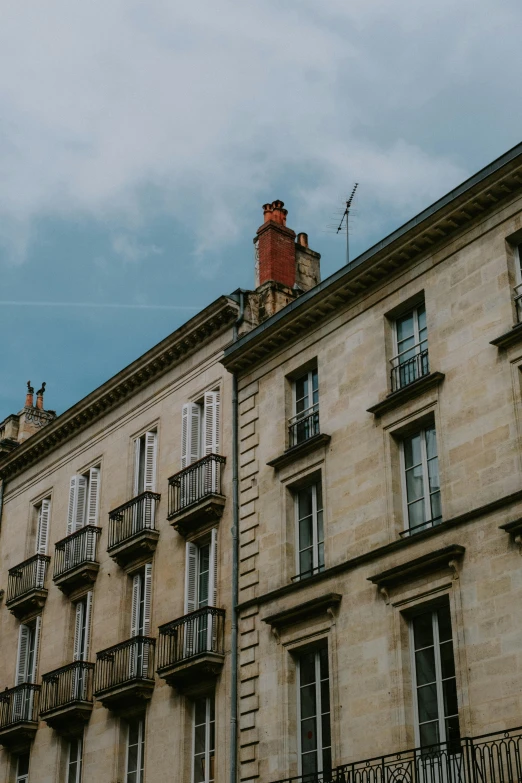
[405, 371]
[125, 663]
[27, 576]
[489, 758]
[19, 704]
[132, 518]
[195, 483]
[199, 632]
[70, 684]
[303, 426]
[75, 550]
[410, 531]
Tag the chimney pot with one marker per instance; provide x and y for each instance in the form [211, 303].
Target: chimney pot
[302, 239]
[29, 398]
[39, 398]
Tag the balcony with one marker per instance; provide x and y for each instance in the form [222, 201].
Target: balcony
[195, 494]
[303, 426]
[19, 716]
[406, 371]
[75, 564]
[26, 593]
[489, 758]
[124, 675]
[66, 700]
[192, 649]
[132, 530]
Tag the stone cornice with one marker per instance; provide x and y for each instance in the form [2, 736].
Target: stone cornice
[489, 189]
[177, 346]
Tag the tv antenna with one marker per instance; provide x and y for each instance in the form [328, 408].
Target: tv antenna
[346, 222]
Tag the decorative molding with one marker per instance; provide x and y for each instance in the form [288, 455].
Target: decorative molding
[447, 557]
[296, 614]
[410, 392]
[301, 450]
[507, 339]
[515, 531]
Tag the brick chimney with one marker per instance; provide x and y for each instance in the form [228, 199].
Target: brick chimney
[17, 427]
[285, 266]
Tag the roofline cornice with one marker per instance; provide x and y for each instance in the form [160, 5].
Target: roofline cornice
[191, 336]
[479, 195]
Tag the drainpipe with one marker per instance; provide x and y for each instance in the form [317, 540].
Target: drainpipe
[2, 483]
[235, 556]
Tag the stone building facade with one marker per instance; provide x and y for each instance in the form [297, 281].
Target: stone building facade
[349, 565]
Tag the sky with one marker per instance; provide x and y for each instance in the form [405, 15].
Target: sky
[139, 140]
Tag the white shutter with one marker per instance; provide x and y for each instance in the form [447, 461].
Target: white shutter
[81, 502]
[191, 574]
[135, 611]
[78, 623]
[190, 434]
[71, 514]
[23, 652]
[137, 451]
[43, 527]
[211, 428]
[185, 445]
[93, 499]
[150, 462]
[147, 594]
[88, 624]
[37, 628]
[213, 568]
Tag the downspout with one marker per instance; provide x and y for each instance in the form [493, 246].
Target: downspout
[235, 556]
[2, 483]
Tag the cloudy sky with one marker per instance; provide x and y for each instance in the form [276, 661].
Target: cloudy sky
[138, 141]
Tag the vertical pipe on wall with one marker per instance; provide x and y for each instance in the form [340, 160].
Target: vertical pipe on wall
[235, 557]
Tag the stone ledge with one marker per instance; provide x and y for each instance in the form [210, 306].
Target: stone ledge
[303, 611]
[301, 450]
[508, 338]
[409, 392]
[418, 566]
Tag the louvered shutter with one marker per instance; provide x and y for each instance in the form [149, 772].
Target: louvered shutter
[88, 626]
[137, 452]
[23, 654]
[71, 511]
[190, 452]
[150, 477]
[37, 629]
[147, 595]
[78, 624]
[43, 527]
[135, 618]
[81, 502]
[191, 577]
[211, 435]
[212, 592]
[93, 497]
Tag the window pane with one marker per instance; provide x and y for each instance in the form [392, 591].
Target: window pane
[23, 764]
[405, 327]
[306, 562]
[421, 316]
[319, 495]
[416, 513]
[425, 665]
[414, 483]
[320, 531]
[304, 500]
[134, 728]
[200, 711]
[444, 621]
[436, 509]
[453, 731]
[309, 764]
[305, 532]
[308, 735]
[325, 696]
[449, 689]
[427, 701]
[320, 558]
[327, 762]
[429, 734]
[199, 739]
[431, 443]
[132, 758]
[325, 727]
[412, 451]
[323, 663]
[308, 705]
[423, 630]
[307, 668]
[199, 769]
[433, 473]
[447, 660]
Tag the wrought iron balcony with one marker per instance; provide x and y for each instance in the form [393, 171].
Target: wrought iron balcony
[19, 715]
[196, 493]
[132, 529]
[303, 426]
[124, 674]
[66, 700]
[75, 563]
[25, 586]
[406, 371]
[489, 758]
[191, 649]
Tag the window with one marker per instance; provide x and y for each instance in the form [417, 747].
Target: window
[310, 530]
[411, 343]
[304, 424]
[22, 768]
[82, 632]
[26, 669]
[43, 512]
[200, 424]
[83, 500]
[315, 753]
[140, 620]
[421, 485]
[204, 740]
[436, 707]
[145, 463]
[74, 760]
[135, 750]
[200, 591]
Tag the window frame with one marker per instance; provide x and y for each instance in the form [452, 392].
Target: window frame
[318, 710]
[432, 521]
[24, 776]
[209, 699]
[316, 567]
[140, 758]
[395, 362]
[311, 409]
[79, 760]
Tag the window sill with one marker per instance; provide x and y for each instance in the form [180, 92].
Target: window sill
[415, 389]
[295, 452]
[419, 566]
[508, 338]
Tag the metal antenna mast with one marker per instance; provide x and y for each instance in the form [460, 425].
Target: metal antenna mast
[345, 216]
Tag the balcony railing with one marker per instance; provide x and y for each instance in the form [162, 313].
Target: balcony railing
[411, 531]
[66, 686]
[75, 550]
[27, 576]
[406, 371]
[489, 758]
[193, 484]
[303, 426]
[197, 633]
[125, 663]
[19, 705]
[132, 518]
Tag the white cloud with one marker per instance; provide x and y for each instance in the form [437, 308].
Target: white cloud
[130, 250]
[216, 104]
